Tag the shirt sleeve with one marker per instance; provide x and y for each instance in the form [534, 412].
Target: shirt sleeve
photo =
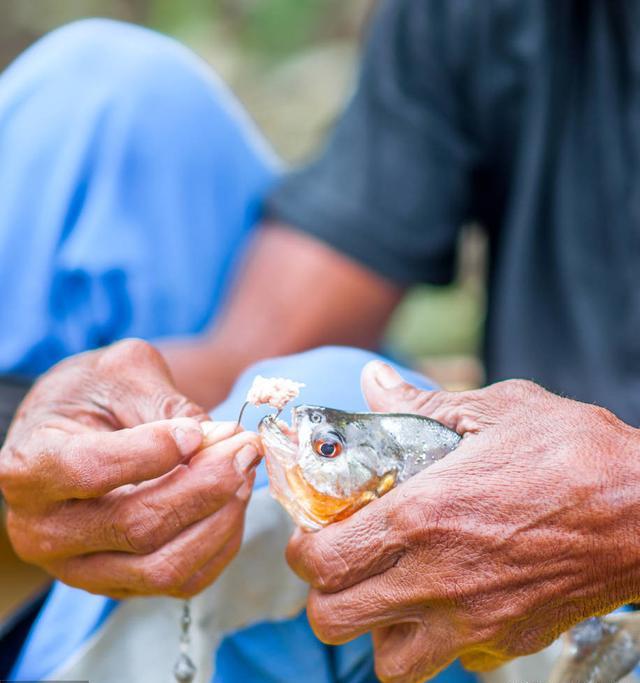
[391, 187]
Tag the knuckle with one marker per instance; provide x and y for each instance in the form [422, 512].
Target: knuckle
[204, 502]
[138, 538]
[396, 669]
[163, 575]
[129, 351]
[517, 388]
[169, 405]
[421, 402]
[450, 408]
[164, 523]
[23, 461]
[600, 415]
[30, 538]
[141, 532]
[410, 393]
[320, 619]
[161, 440]
[75, 471]
[224, 481]
[328, 568]
[468, 424]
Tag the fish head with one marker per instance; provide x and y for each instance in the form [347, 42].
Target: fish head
[343, 454]
[331, 462]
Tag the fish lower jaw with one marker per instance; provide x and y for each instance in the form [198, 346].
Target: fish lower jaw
[313, 510]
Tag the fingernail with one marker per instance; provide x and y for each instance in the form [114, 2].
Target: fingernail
[245, 489]
[187, 434]
[208, 429]
[216, 431]
[386, 376]
[246, 459]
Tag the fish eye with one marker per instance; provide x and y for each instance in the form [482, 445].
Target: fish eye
[327, 448]
[315, 418]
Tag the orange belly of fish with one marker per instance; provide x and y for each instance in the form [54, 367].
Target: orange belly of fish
[326, 509]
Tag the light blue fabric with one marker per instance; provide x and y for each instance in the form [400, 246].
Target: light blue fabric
[67, 619]
[129, 184]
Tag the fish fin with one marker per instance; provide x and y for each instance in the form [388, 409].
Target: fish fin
[386, 484]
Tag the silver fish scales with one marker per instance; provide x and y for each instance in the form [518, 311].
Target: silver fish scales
[332, 462]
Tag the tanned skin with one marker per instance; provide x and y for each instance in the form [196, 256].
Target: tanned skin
[530, 526]
[104, 476]
[293, 293]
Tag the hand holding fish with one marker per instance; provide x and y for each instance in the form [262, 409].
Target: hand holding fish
[524, 530]
[117, 484]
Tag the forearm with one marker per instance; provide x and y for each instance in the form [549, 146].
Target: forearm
[293, 293]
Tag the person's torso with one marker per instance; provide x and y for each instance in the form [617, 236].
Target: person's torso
[555, 101]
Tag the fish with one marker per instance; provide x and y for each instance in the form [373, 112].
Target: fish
[599, 650]
[331, 463]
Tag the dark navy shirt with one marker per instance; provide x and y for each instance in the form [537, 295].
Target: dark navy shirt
[523, 116]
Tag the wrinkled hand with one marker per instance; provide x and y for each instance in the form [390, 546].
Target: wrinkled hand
[528, 527]
[108, 482]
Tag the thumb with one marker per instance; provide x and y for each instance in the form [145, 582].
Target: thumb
[463, 411]
[387, 392]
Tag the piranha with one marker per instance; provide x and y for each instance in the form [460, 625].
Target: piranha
[331, 463]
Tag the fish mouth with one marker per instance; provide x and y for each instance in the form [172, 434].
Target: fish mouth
[279, 437]
[280, 444]
[311, 509]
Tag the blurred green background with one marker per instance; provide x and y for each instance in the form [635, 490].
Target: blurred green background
[291, 63]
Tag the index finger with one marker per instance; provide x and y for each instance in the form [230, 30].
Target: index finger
[59, 466]
[349, 551]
